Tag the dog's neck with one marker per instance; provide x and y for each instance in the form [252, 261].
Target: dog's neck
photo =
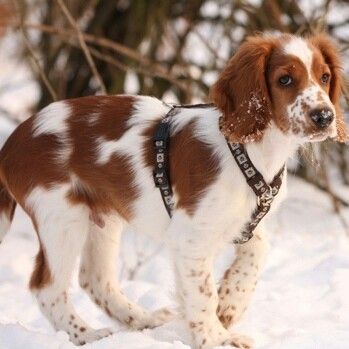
[272, 151]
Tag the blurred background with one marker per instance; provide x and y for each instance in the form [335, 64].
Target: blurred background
[174, 50]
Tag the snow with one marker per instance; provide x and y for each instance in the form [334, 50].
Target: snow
[301, 300]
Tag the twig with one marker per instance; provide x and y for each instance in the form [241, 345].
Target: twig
[9, 116]
[327, 190]
[219, 60]
[141, 262]
[151, 69]
[146, 72]
[335, 199]
[83, 45]
[34, 60]
[156, 69]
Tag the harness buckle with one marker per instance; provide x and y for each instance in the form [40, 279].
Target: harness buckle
[266, 198]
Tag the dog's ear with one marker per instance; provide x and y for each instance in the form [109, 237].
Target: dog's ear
[241, 91]
[331, 56]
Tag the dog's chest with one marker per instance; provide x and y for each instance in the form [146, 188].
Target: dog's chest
[228, 207]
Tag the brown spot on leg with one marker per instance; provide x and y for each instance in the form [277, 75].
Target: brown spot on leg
[41, 275]
[107, 310]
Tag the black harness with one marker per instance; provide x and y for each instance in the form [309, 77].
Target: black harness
[265, 192]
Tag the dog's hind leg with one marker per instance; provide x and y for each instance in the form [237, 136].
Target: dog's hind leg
[62, 229]
[98, 276]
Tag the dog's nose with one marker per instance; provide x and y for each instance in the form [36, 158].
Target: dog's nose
[322, 117]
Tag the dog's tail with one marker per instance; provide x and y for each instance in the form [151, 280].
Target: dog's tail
[7, 209]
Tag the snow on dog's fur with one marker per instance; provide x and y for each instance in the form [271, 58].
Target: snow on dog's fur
[82, 170]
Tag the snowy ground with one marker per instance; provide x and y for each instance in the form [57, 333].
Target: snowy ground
[301, 300]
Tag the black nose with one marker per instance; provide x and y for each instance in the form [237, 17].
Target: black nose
[322, 117]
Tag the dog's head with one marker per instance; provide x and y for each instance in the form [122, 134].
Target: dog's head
[292, 81]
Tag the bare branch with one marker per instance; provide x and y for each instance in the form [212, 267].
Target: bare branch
[83, 45]
[152, 69]
[34, 60]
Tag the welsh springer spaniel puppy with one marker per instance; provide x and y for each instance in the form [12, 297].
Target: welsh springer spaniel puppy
[82, 169]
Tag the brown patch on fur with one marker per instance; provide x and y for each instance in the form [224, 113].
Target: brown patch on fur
[106, 115]
[241, 92]
[107, 187]
[41, 275]
[192, 324]
[249, 95]
[110, 186]
[27, 161]
[193, 165]
[332, 58]
[280, 64]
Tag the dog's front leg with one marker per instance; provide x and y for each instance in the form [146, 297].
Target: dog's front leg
[199, 296]
[241, 278]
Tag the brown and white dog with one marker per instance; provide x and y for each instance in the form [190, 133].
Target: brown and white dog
[82, 170]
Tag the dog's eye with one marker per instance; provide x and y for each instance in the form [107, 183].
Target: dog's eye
[285, 80]
[325, 78]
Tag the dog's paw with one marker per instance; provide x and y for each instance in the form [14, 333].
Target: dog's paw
[151, 320]
[162, 316]
[81, 336]
[208, 338]
[158, 318]
[239, 341]
[227, 314]
[230, 312]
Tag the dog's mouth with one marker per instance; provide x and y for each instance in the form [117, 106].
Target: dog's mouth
[319, 137]
[322, 135]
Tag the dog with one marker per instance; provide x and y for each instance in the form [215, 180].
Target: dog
[82, 169]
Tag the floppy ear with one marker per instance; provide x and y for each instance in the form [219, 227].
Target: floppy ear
[331, 55]
[241, 92]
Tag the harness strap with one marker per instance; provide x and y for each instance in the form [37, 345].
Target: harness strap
[162, 143]
[161, 171]
[265, 193]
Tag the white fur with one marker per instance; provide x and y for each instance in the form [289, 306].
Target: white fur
[93, 118]
[313, 96]
[62, 230]
[147, 109]
[299, 48]
[98, 273]
[5, 224]
[52, 119]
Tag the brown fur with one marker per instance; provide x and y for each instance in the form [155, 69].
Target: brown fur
[243, 80]
[37, 162]
[41, 275]
[251, 75]
[102, 187]
[193, 166]
[280, 64]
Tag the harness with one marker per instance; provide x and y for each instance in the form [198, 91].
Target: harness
[265, 193]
